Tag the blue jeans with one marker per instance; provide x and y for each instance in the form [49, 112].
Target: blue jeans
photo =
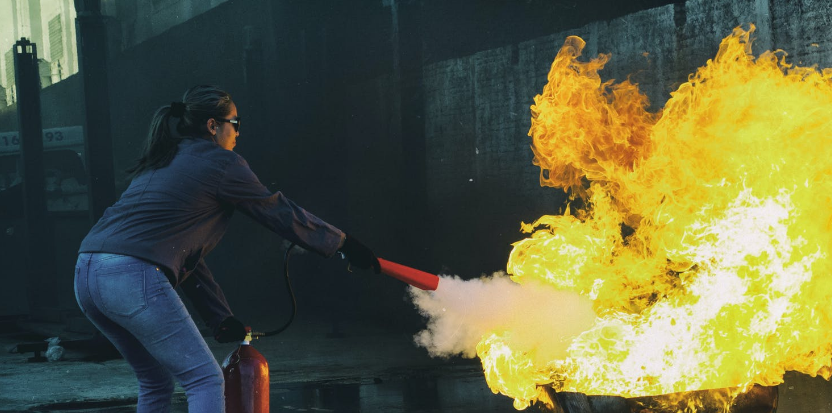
[134, 305]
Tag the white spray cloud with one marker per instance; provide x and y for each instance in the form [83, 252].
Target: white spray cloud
[537, 316]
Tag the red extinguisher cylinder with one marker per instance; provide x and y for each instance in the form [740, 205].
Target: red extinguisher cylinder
[246, 375]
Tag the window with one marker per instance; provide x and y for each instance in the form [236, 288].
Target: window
[9, 58]
[56, 39]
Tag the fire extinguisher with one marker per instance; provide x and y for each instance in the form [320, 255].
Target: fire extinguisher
[246, 371]
[246, 374]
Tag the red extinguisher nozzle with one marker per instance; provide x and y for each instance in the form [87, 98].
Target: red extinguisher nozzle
[412, 276]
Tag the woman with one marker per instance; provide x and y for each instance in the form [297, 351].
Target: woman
[185, 187]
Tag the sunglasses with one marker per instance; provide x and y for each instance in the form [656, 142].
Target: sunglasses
[234, 122]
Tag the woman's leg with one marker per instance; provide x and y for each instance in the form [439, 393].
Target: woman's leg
[134, 305]
[155, 382]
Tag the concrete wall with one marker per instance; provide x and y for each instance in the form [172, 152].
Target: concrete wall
[481, 181]
[143, 20]
[59, 107]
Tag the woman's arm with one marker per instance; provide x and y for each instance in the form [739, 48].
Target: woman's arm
[206, 296]
[241, 188]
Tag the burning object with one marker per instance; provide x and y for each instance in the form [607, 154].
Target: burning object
[701, 241]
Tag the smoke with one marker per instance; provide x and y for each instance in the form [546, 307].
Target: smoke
[535, 317]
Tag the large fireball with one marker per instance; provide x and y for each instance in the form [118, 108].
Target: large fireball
[700, 234]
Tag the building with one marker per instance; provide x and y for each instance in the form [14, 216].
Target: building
[50, 25]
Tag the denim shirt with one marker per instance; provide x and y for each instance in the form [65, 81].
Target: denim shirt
[173, 216]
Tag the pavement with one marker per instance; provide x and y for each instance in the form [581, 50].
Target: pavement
[311, 369]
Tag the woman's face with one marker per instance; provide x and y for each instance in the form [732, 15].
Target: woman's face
[226, 135]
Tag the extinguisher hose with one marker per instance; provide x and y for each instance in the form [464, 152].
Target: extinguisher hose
[291, 293]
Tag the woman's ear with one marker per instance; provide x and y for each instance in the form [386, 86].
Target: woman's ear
[211, 125]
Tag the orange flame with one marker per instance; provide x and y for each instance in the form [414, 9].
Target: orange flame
[704, 239]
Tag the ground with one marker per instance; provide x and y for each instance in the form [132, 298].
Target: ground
[361, 371]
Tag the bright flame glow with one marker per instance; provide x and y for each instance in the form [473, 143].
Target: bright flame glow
[723, 282]
[703, 244]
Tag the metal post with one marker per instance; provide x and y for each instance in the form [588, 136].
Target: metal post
[40, 251]
[98, 142]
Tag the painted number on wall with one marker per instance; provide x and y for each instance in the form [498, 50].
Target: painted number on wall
[52, 138]
[10, 140]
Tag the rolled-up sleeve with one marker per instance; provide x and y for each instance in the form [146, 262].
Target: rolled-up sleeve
[241, 188]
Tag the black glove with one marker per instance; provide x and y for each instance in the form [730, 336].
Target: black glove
[230, 330]
[359, 255]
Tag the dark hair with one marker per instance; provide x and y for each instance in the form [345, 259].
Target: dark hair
[201, 102]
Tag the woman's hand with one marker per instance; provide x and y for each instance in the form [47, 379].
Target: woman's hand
[230, 330]
[359, 255]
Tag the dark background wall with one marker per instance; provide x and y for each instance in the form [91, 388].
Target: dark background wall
[405, 122]
[60, 108]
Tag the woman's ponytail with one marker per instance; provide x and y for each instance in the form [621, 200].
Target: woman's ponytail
[179, 119]
[161, 143]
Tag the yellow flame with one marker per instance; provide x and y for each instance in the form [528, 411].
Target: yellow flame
[704, 233]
